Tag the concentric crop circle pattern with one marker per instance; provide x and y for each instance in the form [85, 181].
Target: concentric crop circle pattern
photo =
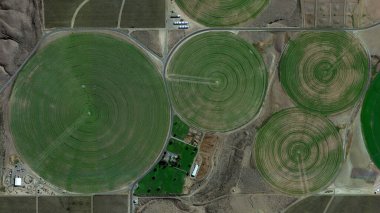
[89, 113]
[222, 12]
[324, 72]
[216, 81]
[298, 152]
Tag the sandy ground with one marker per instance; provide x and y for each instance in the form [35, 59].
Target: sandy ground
[357, 158]
[373, 10]
[169, 205]
[370, 38]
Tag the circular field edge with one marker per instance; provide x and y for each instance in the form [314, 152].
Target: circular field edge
[259, 167]
[366, 81]
[370, 111]
[208, 24]
[171, 57]
[44, 42]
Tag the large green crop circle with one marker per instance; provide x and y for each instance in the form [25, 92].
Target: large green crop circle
[324, 72]
[216, 81]
[370, 120]
[222, 12]
[89, 113]
[298, 152]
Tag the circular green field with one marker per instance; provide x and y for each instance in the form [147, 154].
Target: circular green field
[370, 120]
[216, 81]
[89, 113]
[324, 72]
[298, 152]
[221, 12]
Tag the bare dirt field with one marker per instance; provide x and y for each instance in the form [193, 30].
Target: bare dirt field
[286, 13]
[98, 13]
[64, 204]
[110, 203]
[18, 204]
[169, 205]
[206, 152]
[59, 13]
[143, 14]
[373, 10]
[260, 203]
[150, 39]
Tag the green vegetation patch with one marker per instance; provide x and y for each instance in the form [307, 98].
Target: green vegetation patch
[185, 151]
[222, 12]
[298, 152]
[180, 129]
[216, 81]
[89, 113]
[162, 180]
[324, 72]
[370, 120]
[168, 178]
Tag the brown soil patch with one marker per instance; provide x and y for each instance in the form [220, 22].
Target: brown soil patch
[206, 152]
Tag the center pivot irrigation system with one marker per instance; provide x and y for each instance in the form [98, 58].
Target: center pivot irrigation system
[89, 112]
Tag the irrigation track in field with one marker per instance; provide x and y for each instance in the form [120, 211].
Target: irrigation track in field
[48, 32]
[77, 11]
[192, 79]
[58, 141]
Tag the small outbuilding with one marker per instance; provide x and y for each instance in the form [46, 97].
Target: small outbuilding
[18, 181]
[195, 170]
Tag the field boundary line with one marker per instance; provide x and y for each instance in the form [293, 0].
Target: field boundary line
[58, 140]
[76, 12]
[328, 204]
[120, 13]
[192, 79]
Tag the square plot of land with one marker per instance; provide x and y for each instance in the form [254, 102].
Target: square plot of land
[309, 20]
[110, 203]
[338, 21]
[337, 9]
[18, 204]
[308, 7]
[323, 21]
[143, 14]
[58, 13]
[323, 10]
[99, 13]
[351, 7]
[72, 204]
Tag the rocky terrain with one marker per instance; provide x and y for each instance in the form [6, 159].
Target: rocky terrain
[20, 30]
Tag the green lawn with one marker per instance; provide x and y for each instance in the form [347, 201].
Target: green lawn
[185, 151]
[167, 179]
[162, 180]
[89, 113]
[370, 119]
[180, 129]
[222, 86]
